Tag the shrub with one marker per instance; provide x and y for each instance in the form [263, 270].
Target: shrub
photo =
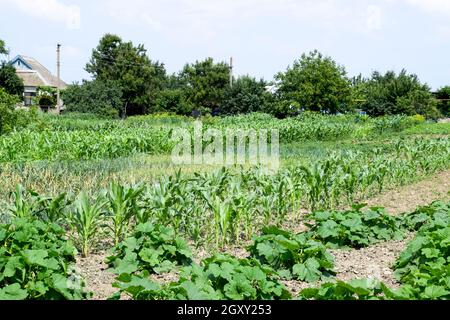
[7, 113]
[97, 97]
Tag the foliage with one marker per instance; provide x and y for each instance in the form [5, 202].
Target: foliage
[129, 66]
[354, 228]
[103, 98]
[444, 104]
[220, 277]
[292, 255]
[123, 205]
[317, 83]
[247, 95]
[424, 267]
[29, 204]
[427, 216]
[10, 81]
[358, 289]
[398, 94]
[3, 49]
[173, 101]
[46, 96]
[85, 221]
[7, 112]
[204, 84]
[151, 248]
[37, 263]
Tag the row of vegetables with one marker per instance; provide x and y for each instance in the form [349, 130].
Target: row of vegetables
[36, 260]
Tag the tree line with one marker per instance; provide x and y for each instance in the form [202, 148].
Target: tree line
[125, 81]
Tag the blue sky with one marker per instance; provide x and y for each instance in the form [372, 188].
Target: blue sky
[263, 36]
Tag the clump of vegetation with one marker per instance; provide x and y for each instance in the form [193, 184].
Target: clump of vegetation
[354, 228]
[151, 248]
[37, 262]
[424, 267]
[95, 97]
[316, 83]
[293, 256]
[390, 94]
[220, 277]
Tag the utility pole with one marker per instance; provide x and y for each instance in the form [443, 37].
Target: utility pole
[231, 71]
[58, 68]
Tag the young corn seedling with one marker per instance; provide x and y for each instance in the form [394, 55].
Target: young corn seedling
[21, 207]
[85, 221]
[123, 205]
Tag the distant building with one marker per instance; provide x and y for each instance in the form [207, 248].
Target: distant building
[34, 75]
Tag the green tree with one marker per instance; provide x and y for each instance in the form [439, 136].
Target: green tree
[139, 78]
[444, 103]
[316, 83]
[245, 96]
[173, 101]
[10, 81]
[204, 84]
[398, 94]
[3, 49]
[103, 98]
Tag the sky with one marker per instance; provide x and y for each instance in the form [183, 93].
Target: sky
[264, 37]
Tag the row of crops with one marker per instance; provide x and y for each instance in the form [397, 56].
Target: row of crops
[82, 139]
[227, 206]
[37, 262]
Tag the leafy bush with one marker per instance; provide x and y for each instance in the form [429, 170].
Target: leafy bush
[7, 113]
[292, 255]
[37, 263]
[220, 277]
[354, 228]
[151, 248]
[97, 97]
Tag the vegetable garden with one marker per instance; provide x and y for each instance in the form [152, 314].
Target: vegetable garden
[284, 223]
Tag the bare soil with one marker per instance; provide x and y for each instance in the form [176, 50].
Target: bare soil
[408, 198]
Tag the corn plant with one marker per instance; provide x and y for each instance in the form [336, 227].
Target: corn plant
[123, 203]
[85, 221]
[21, 206]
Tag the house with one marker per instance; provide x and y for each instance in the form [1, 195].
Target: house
[34, 75]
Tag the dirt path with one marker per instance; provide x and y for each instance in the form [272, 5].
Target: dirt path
[408, 198]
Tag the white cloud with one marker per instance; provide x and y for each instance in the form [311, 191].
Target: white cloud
[52, 10]
[373, 19]
[205, 18]
[434, 6]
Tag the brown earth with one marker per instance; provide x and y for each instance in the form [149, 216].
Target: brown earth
[408, 198]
